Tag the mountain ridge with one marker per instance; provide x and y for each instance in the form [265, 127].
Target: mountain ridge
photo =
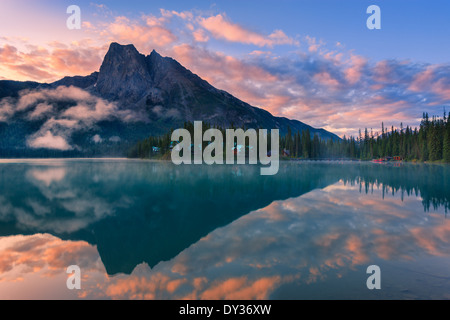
[157, 93]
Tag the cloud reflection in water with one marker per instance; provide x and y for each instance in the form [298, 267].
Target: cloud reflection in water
[325, 237]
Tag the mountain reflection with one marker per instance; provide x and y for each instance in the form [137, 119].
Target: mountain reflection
[216, 232]
[141, 211]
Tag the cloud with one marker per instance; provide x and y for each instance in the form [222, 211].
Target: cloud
[43, 254]
[247, 81]
[442, 88]
[200, 35]
[145, 34]
[62, 93]
[313, 44]
[422, 80]
[185, 15]
[166, 113]
[9, 54]
[355, 71]
[79, 110]
[222, 28]
[97, 139]
[6, 109]
[51, 63]
[40, 111]
[241, 289]
[75, 61]
[324, 78]
[49, 141]
[115, 139]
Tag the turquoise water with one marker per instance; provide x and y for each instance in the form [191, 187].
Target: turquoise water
[151, 230]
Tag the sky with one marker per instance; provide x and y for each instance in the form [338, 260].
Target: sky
[314, 61]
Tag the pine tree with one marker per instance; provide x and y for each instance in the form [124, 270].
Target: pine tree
[306, 144]
[316, 146]
[433, 143]
[446, 155]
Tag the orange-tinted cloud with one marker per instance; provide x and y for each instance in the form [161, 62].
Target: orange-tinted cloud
[241, 289]
[222, 28]
[354, 72]
[324, 78]
[46, 65]
[422, 81]
[200, 35]
[34, 253]
[245, 81]
[146, 35]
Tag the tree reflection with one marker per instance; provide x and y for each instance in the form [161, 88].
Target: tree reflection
[137, 211]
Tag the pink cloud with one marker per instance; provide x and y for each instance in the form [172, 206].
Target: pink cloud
[354, 72]
[43, 254]
[442, 88]
[422, 81]
[31, 72]
[6, 109]
[326, 79]
[314, 46]
[221, 28]
[40, 111]
[76, 62]
[247, 82]
[186, 15]
[9, 54]
[149, 34]
[200, 35]
[51, 64]
[382, 71]
[356, 247]
[241, 289]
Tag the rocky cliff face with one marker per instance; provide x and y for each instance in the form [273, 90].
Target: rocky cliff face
[124, 74]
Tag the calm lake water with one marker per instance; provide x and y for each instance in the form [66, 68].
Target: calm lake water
[151, 230]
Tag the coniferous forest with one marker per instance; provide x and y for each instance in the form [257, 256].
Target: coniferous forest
[429, 142]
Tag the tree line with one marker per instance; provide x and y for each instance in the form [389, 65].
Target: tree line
[429, 142]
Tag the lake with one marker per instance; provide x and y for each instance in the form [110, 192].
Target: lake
[153, 230]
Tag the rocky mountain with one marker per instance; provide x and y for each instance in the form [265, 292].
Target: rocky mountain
[131, 97]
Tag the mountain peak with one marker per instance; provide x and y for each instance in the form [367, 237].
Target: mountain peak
[114, 46]
[123, 73]
[155, 57]
[162, 89]
[154, 53]
[118, 53]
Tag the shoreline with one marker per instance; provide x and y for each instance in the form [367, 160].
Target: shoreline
[336, 161]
